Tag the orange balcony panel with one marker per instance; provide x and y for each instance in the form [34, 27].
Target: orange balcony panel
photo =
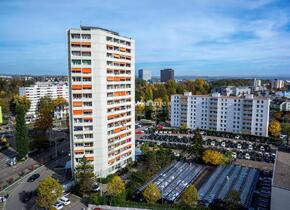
[117, 79]
[128, 57]
[79, 151]
[122, 49]
[87, 70]
[117, 130]
[116, 56]
[88, 118]
[77, 112]
[87, 86]
[77, 103]
[110, 78]
[86, 43]
[87, 110]
[76, 87]
[90, 158]
[76, 70]
[76, 43]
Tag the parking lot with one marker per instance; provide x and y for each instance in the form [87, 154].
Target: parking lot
[241, 149]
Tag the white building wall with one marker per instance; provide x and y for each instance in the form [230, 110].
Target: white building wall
[229, 113]
[106, 155]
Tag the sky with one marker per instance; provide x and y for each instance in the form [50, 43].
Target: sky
[194, 37]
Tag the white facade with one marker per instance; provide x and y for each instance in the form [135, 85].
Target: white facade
[249, 115]
[102, 98]
[257, 82]
[278, 84]
[39, 90]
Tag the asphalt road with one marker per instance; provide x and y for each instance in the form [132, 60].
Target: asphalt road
[14, 201]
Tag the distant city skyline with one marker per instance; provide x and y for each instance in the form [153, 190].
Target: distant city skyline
[199, 38]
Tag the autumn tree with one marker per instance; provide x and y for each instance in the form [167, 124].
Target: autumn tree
[19, 100]
[21, 133]
[152, 193]
[85, 176]
[274, 128]
[59, 101]
[48, 191]
[213, 157]
[171, 87]
[190, 196]
[115, 187]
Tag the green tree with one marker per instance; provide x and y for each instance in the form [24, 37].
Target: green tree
[171, 87]
[148, 112]
[85, 176]
[21, 133]
[190, 196]
[48, 191]
[152, 193]
[233, 200]
[116, 186]
[286, 130]
[19, 100]
[197, 145]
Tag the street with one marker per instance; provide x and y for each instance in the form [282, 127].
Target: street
[15, 198]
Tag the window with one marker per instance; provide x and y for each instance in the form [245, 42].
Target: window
[87, 62]
[76, 62]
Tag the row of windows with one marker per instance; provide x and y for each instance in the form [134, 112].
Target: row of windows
[119, 41]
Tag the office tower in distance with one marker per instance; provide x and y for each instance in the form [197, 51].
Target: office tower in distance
[102, 98]
[166, 74]
[144, 74]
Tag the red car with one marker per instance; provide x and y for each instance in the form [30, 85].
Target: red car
[139, 132]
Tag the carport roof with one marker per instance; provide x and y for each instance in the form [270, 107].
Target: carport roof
[282, 170]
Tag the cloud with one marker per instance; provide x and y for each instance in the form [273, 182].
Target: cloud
[208, 37]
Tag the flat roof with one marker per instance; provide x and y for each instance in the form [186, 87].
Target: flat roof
[281, 175]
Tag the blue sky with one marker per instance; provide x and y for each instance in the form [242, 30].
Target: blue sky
[195, 37]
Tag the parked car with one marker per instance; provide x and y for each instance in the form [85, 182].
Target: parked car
[64, 200]
[27, 196]
[33, 177]
[96, 188]
[247, 156]
[58, 206]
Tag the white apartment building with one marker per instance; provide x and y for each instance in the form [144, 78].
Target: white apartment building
[248, 114]
[102, 98]
[41, 89]
[277, 84]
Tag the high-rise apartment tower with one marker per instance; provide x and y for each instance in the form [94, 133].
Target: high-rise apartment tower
[102, 98]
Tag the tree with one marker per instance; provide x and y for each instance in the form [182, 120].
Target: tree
[274, 128]
[233, 201]
[59, 101]
[116, 186]
[44, 121]
[85, 176]
[197, 145]
[48, 191]
[148, 112]
[19, 100]
[286, 130]
[148, 93]
[171, 87]
[152, 193]
[213, 157]
[183, 126]
[21, 135]
[190, 196]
